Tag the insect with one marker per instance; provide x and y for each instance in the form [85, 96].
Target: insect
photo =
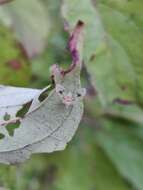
[47, 119]
[69, 94]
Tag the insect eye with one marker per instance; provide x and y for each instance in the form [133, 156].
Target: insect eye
[61, 91]
[81, 93]
[78, 95]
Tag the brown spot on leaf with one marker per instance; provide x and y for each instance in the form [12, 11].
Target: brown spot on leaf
[74, 40]
[124, 87]
[73, 46]
[122, 101]
[4, 1]
[14, 64]
[91, 91]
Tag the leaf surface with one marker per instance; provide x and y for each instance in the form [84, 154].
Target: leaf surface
[26, 26]
[45, 125]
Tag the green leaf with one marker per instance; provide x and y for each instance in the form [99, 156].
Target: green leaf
[85, 166]
[55, 51]
[14, 67]
[30, 30]
[133, 8]
[124, 30]
[112, 53]
[106, 174]
[124, 147]
[105, 57]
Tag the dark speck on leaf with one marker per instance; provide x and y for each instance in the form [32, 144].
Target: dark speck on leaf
[92, 58]
[14, 64]
[6, 117]
[124, 88]
[123, 102]
[5, 1]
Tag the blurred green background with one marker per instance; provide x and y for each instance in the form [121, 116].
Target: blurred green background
[107, 151]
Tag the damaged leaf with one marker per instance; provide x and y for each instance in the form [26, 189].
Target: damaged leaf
[10, 127]
[103, 55]
[45, 93]
[6, 117]
[113, 61]
[21, 113]
[2, 136]
[47, 125]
